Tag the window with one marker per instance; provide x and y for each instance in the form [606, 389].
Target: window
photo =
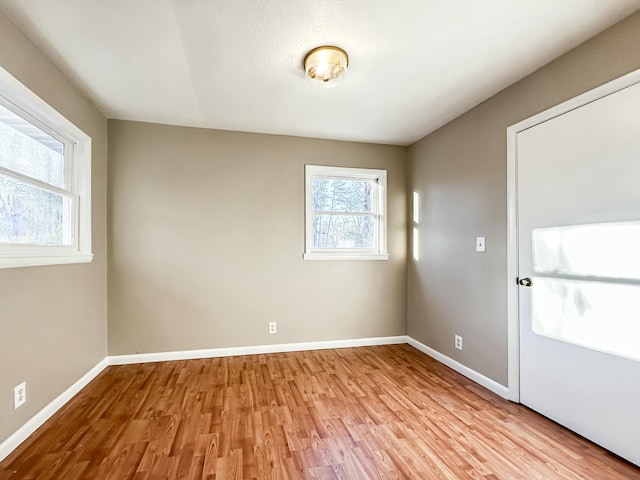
[345, 213]
[45, 181]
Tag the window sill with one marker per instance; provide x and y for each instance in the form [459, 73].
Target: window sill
[345, 256]
[41, 260]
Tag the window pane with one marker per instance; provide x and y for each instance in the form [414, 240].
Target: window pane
[26, 149]
[597, 315]
[332, 195]
[29, 215]
[343, 231]
[600, 250]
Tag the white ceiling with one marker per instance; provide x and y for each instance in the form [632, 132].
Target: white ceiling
[237, 64]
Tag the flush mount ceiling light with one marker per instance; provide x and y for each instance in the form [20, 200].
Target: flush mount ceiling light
[325, 66]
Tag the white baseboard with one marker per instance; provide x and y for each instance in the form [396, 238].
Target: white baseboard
[11, 443]
[486, 382]
[252, 350]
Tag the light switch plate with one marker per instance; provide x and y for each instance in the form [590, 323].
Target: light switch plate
[480, 244]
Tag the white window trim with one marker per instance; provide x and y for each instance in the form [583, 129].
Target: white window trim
[78, 144]
[380, 176]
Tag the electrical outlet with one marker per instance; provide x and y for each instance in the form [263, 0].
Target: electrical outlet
[272, 328]
[458, 342]
[19, 395]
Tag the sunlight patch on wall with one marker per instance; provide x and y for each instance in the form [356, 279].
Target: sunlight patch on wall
[415, 241]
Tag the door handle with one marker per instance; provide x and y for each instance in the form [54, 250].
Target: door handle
[525, 282]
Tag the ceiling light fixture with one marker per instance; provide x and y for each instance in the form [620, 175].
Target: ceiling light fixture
[325, 66]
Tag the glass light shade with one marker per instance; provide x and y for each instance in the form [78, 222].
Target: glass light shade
[325, 66]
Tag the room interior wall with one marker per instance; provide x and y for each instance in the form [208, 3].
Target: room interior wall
[53, 320]
[460, 173]
[206, 236]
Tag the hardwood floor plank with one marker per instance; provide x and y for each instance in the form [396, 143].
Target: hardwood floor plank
[385, 412]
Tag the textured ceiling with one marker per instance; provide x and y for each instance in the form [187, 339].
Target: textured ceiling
[237, 64]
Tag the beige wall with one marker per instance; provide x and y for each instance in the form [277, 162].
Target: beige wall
[206, 235]
[460, 170]
[187, 207]
[52, 319]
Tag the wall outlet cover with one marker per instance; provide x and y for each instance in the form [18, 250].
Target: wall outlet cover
[19, 395]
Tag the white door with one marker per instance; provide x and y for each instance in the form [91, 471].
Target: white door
[578, 215]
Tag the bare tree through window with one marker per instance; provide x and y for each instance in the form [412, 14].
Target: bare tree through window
[30, 213]
[344, 209]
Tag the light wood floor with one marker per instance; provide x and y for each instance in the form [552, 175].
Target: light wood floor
[386, 412]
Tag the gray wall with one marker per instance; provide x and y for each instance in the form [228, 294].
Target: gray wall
[206, 236]
[53, 320]
[187, 205]
[460, 170]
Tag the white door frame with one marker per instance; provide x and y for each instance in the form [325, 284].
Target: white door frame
[513, 324]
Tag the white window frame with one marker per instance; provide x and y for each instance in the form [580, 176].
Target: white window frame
[77, 160]
[379, 252]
